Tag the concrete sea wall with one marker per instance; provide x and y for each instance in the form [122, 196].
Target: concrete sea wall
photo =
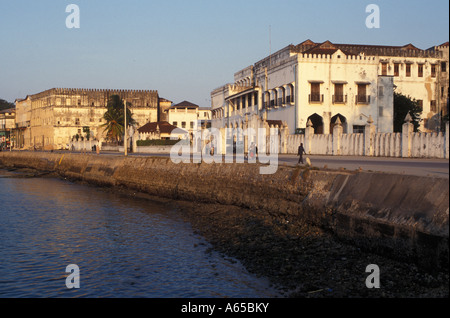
[402, 216]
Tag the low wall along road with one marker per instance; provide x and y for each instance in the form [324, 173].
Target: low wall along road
[402, 216]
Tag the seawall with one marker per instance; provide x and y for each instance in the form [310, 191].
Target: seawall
[405, 217]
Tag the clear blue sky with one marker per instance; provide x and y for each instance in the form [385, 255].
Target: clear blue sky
[186, 48]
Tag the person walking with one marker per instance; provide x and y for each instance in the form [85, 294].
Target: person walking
[301, 151]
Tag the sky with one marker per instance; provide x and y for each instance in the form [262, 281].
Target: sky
[184, 49]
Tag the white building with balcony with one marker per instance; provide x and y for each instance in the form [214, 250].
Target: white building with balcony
[322, 82]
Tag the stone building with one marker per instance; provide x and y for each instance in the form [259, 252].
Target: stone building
[7, 124]
[324, 82]
[50, 119]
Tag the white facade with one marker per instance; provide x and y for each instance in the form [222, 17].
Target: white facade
[188, 116]
[323, 82]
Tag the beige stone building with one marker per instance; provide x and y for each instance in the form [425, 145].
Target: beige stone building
[7, 124]
[50, 119]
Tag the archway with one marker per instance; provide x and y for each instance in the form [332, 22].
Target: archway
[343, 123]
[317, 123]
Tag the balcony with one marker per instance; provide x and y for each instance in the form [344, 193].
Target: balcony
[339, 99]
[362, 99]
[315, 98]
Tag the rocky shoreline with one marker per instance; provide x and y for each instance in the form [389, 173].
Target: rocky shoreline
[304, 261]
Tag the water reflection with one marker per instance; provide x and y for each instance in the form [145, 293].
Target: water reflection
[123, 247]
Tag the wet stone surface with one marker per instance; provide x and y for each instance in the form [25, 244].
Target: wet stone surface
[305, 261]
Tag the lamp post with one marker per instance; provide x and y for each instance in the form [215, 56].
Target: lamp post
[125, 127]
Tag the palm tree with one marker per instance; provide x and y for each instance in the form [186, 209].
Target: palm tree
[114, 125]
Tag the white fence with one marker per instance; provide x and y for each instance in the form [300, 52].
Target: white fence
[404, 144]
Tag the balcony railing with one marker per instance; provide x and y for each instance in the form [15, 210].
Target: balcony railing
[362, 99]
[339, 99]
[315, 98]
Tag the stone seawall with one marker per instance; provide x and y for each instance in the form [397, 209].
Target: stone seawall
[405, 217]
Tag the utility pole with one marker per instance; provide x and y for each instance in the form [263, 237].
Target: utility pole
[125, 146]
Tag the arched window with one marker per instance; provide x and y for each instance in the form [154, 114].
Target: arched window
[289, 94]
[281, 96]
[273, 97]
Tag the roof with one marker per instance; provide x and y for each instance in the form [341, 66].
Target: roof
[164, 100]
[325, 48]
[163, 126]
[184, 104]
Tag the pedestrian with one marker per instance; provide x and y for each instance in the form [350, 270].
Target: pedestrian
[300, 153]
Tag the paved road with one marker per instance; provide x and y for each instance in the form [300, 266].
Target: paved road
[407, 166]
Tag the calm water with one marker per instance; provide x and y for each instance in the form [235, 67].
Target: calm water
[123, 247]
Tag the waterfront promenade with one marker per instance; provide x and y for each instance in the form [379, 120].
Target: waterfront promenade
[406, 166]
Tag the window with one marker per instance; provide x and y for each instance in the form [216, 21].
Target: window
[175, 123]
[433, 70]
[339, 93]
[183, 124]
[362, 97]
[192, 125]
[408, 70]
[315, 93]
[396, 69]
[273, 98]
[384, 68]
[380, 111]
[420, 70]
[290, 94]
[77, 121]
[443, 67]
[381, 91]
[358, 129]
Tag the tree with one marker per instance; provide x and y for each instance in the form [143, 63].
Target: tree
[5, 104]
[114, 117]
[402, 106]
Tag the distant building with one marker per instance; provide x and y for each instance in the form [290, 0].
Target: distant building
[442, 99]
[7, 125]
[189, 116]
[50, 119]
[321, 82]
